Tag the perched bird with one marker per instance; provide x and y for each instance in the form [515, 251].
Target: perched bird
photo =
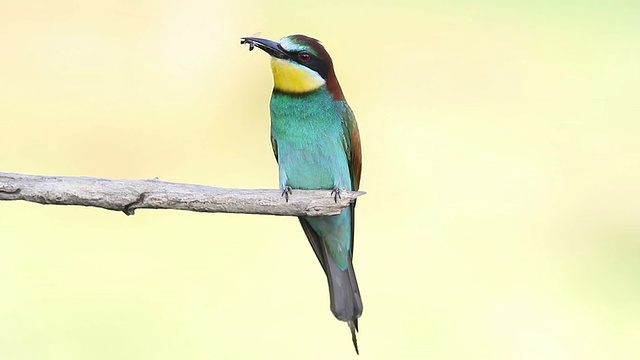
[316, 142]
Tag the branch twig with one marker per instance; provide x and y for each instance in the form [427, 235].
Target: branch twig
[129, 195]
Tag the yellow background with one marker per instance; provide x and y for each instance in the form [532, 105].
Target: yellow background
[501, 161]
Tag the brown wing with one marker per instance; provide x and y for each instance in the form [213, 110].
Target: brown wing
[351, 141]
[355, 159]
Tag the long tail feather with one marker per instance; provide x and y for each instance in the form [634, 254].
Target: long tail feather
[353, 326]
[344, 294]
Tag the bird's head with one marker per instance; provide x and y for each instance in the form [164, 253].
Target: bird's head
[300, 64]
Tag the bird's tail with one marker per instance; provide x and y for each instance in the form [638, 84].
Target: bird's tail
[346, 303]
[353, 326]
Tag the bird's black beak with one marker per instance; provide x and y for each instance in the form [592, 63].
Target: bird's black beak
[270, 47]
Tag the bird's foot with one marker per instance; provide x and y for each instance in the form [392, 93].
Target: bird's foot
[335, 192]
[286, 192]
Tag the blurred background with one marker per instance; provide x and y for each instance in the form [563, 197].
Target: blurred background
[501, 165]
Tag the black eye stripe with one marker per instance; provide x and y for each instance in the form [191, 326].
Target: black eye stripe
[314, 63]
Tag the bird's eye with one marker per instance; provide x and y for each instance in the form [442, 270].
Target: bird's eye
[304, 56]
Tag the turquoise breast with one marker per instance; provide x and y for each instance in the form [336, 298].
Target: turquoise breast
[309, 135]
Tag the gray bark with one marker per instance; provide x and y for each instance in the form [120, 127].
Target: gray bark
[129, 195]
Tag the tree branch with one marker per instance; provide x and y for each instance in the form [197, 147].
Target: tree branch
[129, 195]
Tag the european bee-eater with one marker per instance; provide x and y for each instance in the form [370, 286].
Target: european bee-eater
[316, 143]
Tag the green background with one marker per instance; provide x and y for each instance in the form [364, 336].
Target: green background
[501, 162]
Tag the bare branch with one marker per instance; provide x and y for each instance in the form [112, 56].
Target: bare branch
[129, 195]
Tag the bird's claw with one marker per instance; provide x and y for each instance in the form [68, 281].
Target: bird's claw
[335, 192]
[286, 192]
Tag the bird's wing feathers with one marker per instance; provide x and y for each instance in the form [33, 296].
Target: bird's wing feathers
[351, 140]
[274, 146]
[315, 241]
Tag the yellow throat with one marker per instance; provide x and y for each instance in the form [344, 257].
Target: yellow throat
[292, 77]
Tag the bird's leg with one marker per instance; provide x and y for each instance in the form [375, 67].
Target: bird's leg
[335, 192]
[286, 192]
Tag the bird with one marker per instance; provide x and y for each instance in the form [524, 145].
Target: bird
[316, 143]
